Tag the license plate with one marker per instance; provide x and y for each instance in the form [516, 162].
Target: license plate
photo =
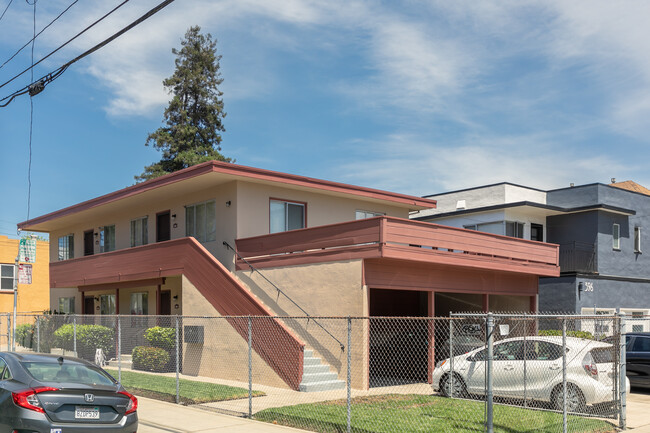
[84, 412]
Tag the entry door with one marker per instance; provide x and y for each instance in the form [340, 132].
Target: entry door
[89, 243]
[163, 230]
[166, 302]
[89, 305]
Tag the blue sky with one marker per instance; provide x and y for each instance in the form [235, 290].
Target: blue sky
[417, 97]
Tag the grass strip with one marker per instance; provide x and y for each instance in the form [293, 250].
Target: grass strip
[191, 391]
[423, 413]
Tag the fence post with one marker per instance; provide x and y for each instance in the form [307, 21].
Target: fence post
[74, 335]
[564, 412]
[38, 334]
[8, 332]
[525, 361]
[349, 379]
[451, 357]
[119, 349]
[622, 374]
[490, 355]
[250, 367]
[178, 390]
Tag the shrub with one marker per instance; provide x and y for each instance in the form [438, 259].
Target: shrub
[558, 333]
[25, 335]
[163, 338]
[89, 338]
[150, 358]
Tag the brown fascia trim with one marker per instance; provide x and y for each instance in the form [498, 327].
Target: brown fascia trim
[236, 170]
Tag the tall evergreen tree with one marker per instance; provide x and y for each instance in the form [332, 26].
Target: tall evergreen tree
[193, 119]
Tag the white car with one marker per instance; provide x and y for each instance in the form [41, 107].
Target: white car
[590, 371]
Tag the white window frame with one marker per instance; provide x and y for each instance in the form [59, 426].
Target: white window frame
[616, 236]
[3, 278]
[66, 247]
[141, 238]
[285, 224]
[364, 214]
[208, 231]
[637, 239]
[107, 239]
[516, 224]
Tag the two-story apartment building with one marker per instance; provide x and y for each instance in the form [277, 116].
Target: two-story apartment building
[184, 244]
[598, 227]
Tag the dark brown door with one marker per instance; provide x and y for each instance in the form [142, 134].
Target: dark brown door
[89, 305]
[163, 231]
[89, 246]
[166, 303]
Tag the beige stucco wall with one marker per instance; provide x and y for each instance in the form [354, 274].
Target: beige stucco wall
[326, 290]
[224, 354]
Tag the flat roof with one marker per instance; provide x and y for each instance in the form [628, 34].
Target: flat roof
[215, 172]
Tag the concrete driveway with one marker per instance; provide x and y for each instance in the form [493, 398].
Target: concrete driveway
[638, 411]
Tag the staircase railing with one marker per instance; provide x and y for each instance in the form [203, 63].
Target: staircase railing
[310, 317]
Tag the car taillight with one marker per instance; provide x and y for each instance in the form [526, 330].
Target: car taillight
[132, 406]
[591, 369]
[28, 399]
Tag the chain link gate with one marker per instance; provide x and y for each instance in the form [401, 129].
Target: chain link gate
[468, 372]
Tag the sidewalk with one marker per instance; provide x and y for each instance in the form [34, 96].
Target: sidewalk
[638, 412]
[157, 416]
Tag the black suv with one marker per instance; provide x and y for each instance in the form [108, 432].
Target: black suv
[637, 350]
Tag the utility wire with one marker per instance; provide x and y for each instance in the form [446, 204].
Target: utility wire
[37, 86]
[5, 11]
[38, 34]
[68, 41]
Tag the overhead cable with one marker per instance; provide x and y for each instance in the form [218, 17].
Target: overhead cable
[38, 85]
[5, 11]
[38, 34]
[66, 43]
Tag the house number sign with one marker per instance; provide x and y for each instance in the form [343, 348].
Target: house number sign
[589, 286]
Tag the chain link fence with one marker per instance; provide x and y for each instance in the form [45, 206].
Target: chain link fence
[468, 372]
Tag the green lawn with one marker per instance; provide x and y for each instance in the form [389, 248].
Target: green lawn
[422, 413]
[191, 391]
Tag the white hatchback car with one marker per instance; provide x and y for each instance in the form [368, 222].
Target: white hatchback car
[590, 371]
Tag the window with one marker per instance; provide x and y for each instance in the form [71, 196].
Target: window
[107, 304]
[641, 344]
[637, 239]
[139, 232]
[66, 305]
[616, 237]
[6, 277]
[285, 215]
[107, 239]
[66, 247]
[363, 214]
[5, 374]
[201, 221]
[507, 228]
[140, 303]
[537, 232]
[514, 229]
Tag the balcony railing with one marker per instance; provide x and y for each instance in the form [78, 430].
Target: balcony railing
[578, 257]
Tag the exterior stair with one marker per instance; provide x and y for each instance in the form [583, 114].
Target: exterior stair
[127, 362]
[317, 376]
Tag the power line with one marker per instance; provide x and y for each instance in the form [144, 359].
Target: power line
[37, 86]
[67, 42]
[38, 34]
[5, 11]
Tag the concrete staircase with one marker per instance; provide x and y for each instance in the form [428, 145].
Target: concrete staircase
[127, 362]
[317, 376]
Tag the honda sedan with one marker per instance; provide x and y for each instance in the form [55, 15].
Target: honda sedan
[56, 394]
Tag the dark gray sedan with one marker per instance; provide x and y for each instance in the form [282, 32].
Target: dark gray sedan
[58, 394]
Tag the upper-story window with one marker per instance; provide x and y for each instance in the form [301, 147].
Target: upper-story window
[201, 221]
[637, 239]
[616, 236]
[507, 228]
[363, 214]
[6, 277]
[286, 215]
[66, 247]
[107, 239]
[139, 232]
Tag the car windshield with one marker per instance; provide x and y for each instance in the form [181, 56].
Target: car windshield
[69, 373]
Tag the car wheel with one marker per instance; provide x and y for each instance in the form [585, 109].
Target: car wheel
[575, 400]
[455, 388]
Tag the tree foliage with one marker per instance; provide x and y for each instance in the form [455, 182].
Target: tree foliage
[193, 120]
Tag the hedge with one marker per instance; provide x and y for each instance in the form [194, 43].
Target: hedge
[558, 333]
[163, 338]
[89, 338]
[25, 335]
[150, 358]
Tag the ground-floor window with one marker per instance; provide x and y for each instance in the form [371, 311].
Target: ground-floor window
[107, 304]
[140, 303]
[66, 305]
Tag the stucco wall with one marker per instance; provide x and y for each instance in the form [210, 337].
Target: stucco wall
[33, 297]
[224, 354]
[327, 289]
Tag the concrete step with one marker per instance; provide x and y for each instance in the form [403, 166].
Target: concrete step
[317, 368]
[322, 386]
[311, 361]
[319, 377]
